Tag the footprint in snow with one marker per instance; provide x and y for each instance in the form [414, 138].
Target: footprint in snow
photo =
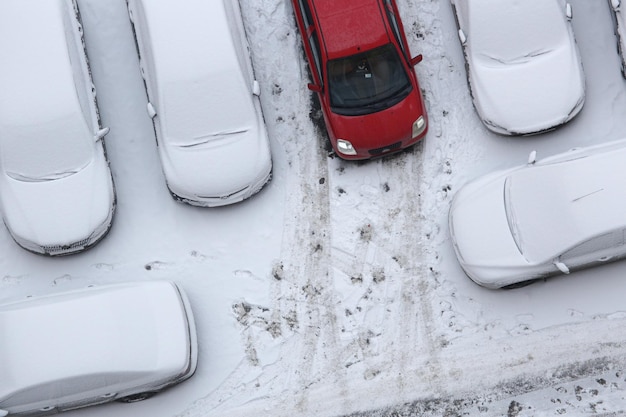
[103, 266]
[156, 265]
[8, 279]
[62, 279]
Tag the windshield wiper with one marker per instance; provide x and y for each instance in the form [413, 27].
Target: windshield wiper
[212, 136]
[41, 178]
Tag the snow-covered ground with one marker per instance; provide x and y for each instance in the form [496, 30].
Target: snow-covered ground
[335, 291]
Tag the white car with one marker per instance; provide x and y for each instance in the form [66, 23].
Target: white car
[523, 65]
[56, 190]
[69, 350]
[203, 99]
[548, 217]
[619, 21]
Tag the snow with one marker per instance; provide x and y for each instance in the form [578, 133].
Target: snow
[335, 290]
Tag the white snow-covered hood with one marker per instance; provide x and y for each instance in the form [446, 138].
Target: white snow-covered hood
[480, 232]
[217, 165]
[60, 211]
[530, 93]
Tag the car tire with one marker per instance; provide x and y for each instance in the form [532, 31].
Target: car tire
[520, 284]
[137, 397]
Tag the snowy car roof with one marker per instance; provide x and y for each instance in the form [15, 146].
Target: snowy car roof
[40, 113]
[120, 332]
[558, 205]
[204, 90]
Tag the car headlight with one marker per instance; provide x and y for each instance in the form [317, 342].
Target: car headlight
[418, 126]
[345, 147]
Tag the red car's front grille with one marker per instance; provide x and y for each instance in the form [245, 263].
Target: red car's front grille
[380, 151]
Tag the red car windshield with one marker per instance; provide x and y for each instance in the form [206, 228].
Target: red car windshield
[367, 82]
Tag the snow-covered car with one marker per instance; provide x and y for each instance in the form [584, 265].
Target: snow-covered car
[523, 65]
[363, 73]
[549, 217]
[203, 99]
[619, 21]
[83, 347]
[56, 190]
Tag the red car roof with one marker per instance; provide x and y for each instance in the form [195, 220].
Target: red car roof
[344, 21]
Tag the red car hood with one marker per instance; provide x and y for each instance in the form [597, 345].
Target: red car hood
[379, 129]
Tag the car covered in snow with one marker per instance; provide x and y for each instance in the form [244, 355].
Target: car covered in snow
[619, 21]
[88, 346]
[203, 99]
[523, 65]
[545, 218]
[363, 73]
[56, 189]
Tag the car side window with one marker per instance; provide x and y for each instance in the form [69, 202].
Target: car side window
[317, 53]
[395, 28]
[306, 12]
[596, 244]
[78, 61]
[30, 395]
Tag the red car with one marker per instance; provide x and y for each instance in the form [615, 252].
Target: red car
[363, 73]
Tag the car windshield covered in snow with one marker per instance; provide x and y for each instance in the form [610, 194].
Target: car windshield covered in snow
[45, 122]
[46, 151]
[206, 108]
[512, 19]
[554, 207]
[367, 82]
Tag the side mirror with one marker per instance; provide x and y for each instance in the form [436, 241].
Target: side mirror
[151, 110]
[416, 60]
[615, 4]
[562, 267]
[568, 11]
[256, 88]
[532, 158]
[3, 413]
[462, 37]
[315, 88]
[99, 135]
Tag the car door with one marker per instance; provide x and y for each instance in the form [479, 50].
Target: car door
[603, 248]
[311, 42]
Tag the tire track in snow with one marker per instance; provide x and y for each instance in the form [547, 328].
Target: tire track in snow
[382, 257]
[378, 270]
[388, 262]
[301, 290]
[441, 74]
